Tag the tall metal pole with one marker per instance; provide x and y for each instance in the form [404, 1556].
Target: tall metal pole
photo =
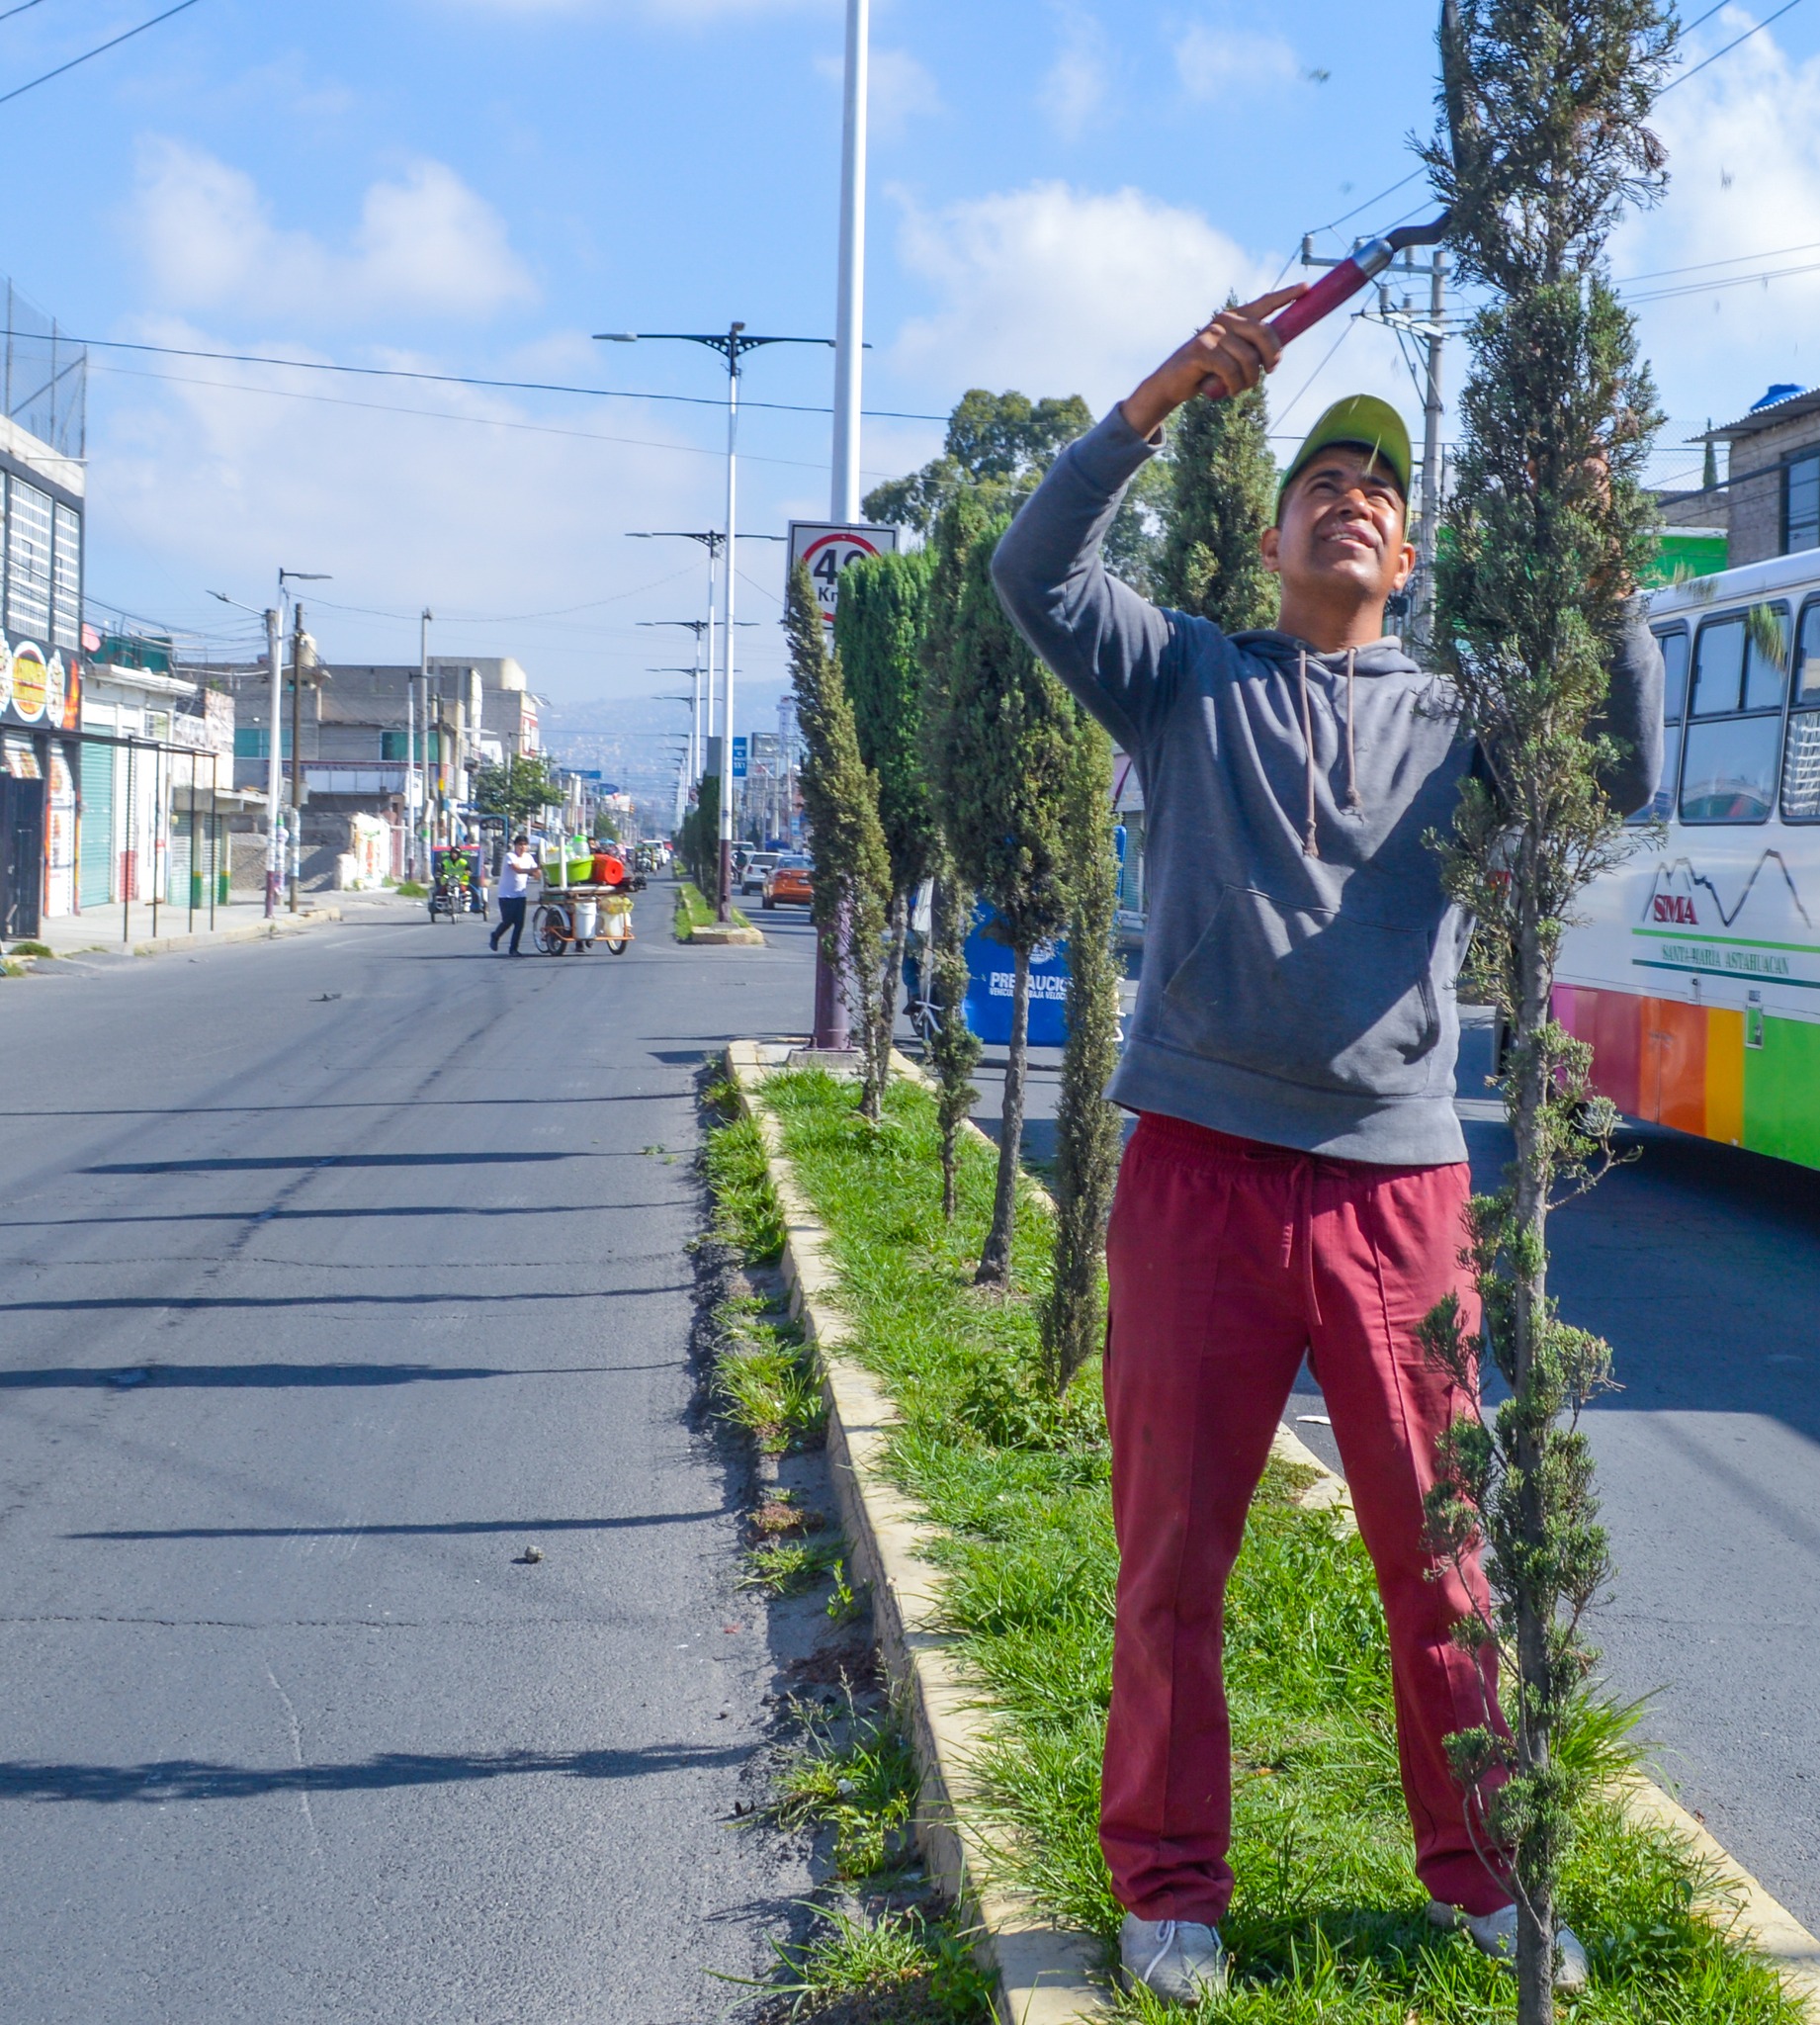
[297, 753]
[274, 765]
[423, 678]
[849, 319]
[1430, 441]
[724, 898]
[712, 554]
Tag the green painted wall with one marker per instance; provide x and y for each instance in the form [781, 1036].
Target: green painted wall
[1781, 1091]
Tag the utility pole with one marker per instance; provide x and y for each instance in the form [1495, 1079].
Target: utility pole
[274, 764]
[423, 678]
[299, 646]
[1433, 332]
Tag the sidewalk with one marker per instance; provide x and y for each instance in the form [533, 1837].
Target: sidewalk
[116, 930]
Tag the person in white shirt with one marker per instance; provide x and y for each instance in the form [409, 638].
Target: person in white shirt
[514, 882]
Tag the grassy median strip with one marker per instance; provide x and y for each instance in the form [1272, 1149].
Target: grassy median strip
[1328, 1922]
[694, 912]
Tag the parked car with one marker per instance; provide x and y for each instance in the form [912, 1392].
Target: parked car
[789, 882]
[751, 873]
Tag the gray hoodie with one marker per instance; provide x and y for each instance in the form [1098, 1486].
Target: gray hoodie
[1300, 955]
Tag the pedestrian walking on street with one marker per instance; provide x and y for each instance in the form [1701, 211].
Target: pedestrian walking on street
[515, 876]
[1297, 1181]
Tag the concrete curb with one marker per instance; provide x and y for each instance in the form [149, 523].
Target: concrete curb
[1049, 1975]
[165, 946]
[1046, 1975]
[723, 935]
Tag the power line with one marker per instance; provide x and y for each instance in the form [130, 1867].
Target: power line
[1787, 8]
[1731, 259]
[172, 351]
[441, 414]
[89, 55]
[25, 7]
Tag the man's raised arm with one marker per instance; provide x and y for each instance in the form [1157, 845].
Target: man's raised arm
[1104, 640]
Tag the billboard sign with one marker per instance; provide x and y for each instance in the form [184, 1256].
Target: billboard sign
[740, 752]
[829, 546]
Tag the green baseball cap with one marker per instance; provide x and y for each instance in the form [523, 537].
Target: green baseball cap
[1362, 419]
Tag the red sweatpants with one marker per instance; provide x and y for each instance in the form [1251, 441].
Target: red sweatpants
[1227, 1260]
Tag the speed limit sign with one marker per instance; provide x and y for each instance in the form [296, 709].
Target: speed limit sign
[828, 548]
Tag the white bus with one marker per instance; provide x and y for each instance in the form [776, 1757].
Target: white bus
[1695, 971]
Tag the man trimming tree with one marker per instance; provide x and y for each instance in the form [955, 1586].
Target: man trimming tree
[1297, 1180]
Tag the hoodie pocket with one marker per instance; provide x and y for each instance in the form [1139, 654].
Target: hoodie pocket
[1308, 995]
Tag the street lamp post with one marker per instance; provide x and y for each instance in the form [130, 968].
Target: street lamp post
[733, 344]
[287, 578]
[699, 732]
[850, 301]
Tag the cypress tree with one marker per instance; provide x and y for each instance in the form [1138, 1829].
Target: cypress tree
[1005, 753]
[878, 635]
[1090, 1133]
[1222, 496]
[955, 1051]
[1545, 104]
[852, 875]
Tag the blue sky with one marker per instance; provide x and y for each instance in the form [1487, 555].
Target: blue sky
[473, 186]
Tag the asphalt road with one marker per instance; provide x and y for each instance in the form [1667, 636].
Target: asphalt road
[338, 1272]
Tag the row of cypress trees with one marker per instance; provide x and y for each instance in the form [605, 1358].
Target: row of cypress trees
[938, 746]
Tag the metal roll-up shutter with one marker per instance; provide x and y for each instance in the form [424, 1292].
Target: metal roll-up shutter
[96, 868]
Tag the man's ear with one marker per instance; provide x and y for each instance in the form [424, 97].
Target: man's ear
[1268, 545]
[1406, 568]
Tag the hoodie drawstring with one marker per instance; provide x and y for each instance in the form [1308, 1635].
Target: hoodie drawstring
[1311, 843]
[1352, 800]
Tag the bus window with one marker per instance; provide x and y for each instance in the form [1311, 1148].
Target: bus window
[1733, 739]
[1674, 645]
[1718, 673]
[1801, 757]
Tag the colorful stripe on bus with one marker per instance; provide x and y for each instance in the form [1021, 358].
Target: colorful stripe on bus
[1744, 1078]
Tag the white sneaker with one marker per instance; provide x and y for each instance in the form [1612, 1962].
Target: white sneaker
[1178, 1958]
[1494, 1934]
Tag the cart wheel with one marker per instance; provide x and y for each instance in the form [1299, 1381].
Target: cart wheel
[616, 944]
[548, 932]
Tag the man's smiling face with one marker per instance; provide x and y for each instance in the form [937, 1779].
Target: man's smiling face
[1341, 531]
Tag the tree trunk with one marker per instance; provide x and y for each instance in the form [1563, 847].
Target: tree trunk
[898, 929]
[996, 1260]
[1535, 1922]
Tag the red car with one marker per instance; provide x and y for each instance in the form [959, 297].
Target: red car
[789, 882]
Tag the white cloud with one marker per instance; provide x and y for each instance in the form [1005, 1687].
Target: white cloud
[1213, 62]
[514, 508]
[1062, 291]
[1743, 160]
[1058, 291]
[427, 242]
[900, 89]
[1074, 88]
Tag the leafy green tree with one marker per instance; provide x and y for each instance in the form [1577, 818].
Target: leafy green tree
[997, 448]
[698, 842]
[1090, 1133]
[878, 635]
[518, 790]
[1545, 103]
[1005, 753]
[1222, 496]
[852, 872]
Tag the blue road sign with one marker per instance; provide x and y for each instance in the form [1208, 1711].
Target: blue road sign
[741, 745]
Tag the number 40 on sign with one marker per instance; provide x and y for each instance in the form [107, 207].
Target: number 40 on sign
[828, 549]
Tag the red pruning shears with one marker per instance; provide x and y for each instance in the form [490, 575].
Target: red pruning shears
[1339, 284]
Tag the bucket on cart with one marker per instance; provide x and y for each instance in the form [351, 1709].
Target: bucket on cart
[587, 920]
